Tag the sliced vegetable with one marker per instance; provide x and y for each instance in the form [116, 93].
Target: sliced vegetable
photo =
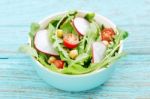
[42, 43]
[98, 51]
[59, 64]
[70, 41]
[81, 25]
[107, 34]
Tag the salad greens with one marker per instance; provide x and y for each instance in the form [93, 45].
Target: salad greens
[28, 50]
[75, 51]
[33, 29]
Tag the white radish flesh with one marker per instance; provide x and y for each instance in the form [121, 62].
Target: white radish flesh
[98, 50]
[43, 44]
[81, 25]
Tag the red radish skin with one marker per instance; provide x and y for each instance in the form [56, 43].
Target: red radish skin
[42, 43]
[81, 25]
[98, 50]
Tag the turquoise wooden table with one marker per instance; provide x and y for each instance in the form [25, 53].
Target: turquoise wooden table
[18, 79]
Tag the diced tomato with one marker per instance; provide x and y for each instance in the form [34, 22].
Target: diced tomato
[59, 64]
[107, 34]
[70, 41]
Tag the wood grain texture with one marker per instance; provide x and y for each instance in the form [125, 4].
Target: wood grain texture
[18, 79]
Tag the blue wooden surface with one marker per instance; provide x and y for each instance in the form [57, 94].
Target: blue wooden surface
[18, 79]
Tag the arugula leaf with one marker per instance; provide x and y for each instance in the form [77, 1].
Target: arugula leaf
[43, 61]
[124, 34]
[82, 45]
[80, 59]
[90, 16]
[43, 56]
[66, 26]
[28, 50]
[55, 21]
[75, 69]
[51, 30]
[85, 45]
[33, 29]
[109, 59]
[56, 42]
[72, 12]
[92, 35]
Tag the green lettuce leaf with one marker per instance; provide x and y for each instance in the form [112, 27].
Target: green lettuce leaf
[90, 16]
[33, 29]
[92, 36]
[28, 50]
[56, 43]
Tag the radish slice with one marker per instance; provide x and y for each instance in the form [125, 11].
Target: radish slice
[98, 51]
[81, 25]
[42, 43]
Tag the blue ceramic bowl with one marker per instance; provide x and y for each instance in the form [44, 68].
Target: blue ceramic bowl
[75, 82]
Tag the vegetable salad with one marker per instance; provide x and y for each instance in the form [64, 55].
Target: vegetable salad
[71, 44]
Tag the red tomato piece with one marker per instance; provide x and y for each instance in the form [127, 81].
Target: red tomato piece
[70, 41]
[59, 64]
[107, 34]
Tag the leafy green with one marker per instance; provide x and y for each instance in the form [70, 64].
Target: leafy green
[55, 21]
[92, 35]
[109, 59]
[90, 16]
[123, 33]
[82, 45]
[75, 69]
[55, 40]
[43, 62]
[113, 48]
[66, 26]
[33, 29]
[28, 50]
[80, 59]
[72, 13]
[51, 30]
[85, 46]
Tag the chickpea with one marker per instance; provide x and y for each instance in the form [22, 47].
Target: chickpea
[59, 33]
[73, 54]
[105, 42]
[51, 59]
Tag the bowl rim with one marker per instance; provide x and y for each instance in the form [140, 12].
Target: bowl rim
[69, 75]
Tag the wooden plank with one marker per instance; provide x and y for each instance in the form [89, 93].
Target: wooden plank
[121, 12]
[19, 79]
